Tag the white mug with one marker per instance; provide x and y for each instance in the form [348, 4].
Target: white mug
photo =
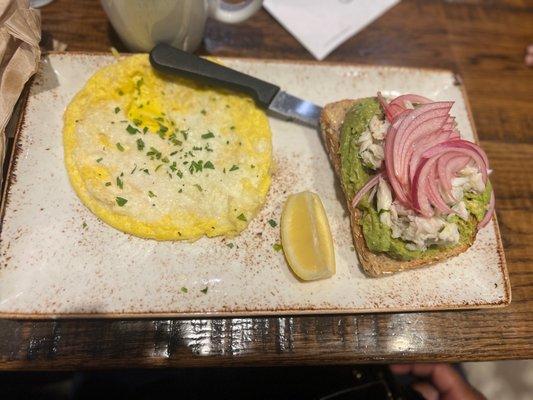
[141, 24]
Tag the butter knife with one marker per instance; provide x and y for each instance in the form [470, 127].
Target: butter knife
[170, 60]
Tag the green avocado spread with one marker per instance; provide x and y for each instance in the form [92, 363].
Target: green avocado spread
[354, 175]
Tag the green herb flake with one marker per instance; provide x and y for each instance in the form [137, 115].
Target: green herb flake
[204, 290]
[173, 167]
[140, 144]
[230, 245]
[120, 183]
[117, 110]
[196, 166]
[100, 159]
[154, 154]
[277, 247]
[134, 169]
[139, 83]
[137, 122]
[185, 134]
[184, 289]
[272, 223]
[242, 217]
[145, 129]
[119, 146]
[146, 171]
[151, 194]
[232, 128]
[174, 153]
[132, 130]
[108, 183]
[197, 186]
[234, 168]
[209, 165]
[157, 168]
[208, 135]
[120, 92]
[179, 173]
[84, 225]
[203, 112]
[121, 201]
[165, 160]
[196, 148]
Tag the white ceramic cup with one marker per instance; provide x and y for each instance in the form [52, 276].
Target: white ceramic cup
[141, 24]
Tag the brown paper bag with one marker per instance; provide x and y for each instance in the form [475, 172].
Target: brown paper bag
[20, 33]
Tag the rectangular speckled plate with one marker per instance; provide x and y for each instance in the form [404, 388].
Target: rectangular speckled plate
[51, 266]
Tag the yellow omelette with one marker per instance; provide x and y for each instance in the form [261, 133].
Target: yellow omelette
[165, 158]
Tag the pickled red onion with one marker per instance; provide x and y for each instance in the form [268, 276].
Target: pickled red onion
[423, 153]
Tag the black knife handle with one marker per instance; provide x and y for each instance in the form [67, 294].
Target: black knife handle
[170, 60]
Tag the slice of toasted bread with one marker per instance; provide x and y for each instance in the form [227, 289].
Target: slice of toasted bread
[374, 264]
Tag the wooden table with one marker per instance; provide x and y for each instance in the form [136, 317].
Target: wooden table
[485, 43]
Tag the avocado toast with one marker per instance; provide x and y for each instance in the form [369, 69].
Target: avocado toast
[392, 231]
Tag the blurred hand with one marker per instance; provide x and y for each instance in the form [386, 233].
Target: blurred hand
[438, 382]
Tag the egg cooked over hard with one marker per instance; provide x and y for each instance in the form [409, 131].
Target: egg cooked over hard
[163, 157]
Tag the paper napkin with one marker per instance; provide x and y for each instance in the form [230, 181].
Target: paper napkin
[322, 25]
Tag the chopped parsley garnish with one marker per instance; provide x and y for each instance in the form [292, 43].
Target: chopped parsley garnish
[154, 154]
[207, 148]
[108, 183]
[137, 122]
[252, 166]
[151, 194]
[159, 166]
[197, 148]
[179, 173]
[242, 217]
[184, 289]
[203, 112]
[100, 159]
[208, 135]
[272, 223]
[198, 187]
[174, 153]
[232, 128]
[145, 129]
[181, 190]
[121, 201]
[185, 134]
[165, 160]
[140, 144]
[209, 165]
[163, 128]
[234, 168]
[120, 184]
[277, 247]
[204, 290]
[139, 83]
[119, 146]
[173, 167]
[117, 110]
[133, 170]
[160, 119]
[146, 171]
[196, 166]
[132, 130]
[120, 92]
[84, 225]
[230, 245]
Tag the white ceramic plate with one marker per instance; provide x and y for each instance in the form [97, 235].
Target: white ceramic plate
[52, 266]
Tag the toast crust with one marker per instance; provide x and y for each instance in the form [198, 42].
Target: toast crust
[373, 264]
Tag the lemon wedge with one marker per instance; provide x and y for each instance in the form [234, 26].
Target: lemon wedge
[306, 237]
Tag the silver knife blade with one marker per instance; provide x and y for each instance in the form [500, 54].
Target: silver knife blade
[294, 108]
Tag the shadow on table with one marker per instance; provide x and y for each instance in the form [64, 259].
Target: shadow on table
[344, 382]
